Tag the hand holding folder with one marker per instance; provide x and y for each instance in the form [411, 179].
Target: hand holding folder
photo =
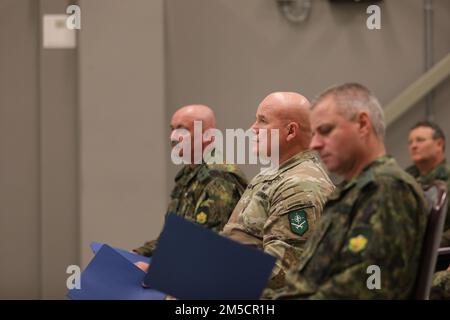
[111, 276]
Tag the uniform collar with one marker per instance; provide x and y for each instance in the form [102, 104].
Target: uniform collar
[439, 172]
[188, 172]
[292, 162]
[361, 179]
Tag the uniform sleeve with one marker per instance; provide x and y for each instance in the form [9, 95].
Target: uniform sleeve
[216, 203]
[294, 209]
[147, 249]
[381, 250]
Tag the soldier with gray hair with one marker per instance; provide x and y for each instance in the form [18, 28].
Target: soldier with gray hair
[368, 242]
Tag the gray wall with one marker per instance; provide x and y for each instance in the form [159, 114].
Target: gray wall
[81, 148]
[123, 175]
[231, 53]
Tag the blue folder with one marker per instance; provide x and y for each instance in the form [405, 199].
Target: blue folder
[192, 262]
[132, 257]
[110, 276]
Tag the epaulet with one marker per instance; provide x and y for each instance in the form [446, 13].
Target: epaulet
[365, 179]
[226, 168]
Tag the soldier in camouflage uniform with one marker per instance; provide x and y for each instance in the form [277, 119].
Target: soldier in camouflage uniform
[203, 193]
[377, 216]
[426, 148]
[281, 206]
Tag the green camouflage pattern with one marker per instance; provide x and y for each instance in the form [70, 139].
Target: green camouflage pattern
[205, 194]
[279, 211]
[378, 218]
[440, 172]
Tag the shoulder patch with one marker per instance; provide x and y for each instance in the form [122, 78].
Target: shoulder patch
[298, 222]
[201, 215]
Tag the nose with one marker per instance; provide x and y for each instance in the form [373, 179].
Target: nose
[316, 143]
[413, 145]
[173, 136]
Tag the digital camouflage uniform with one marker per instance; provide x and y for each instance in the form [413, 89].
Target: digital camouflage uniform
[279, 210]
[205, 194]
[440, 172]
[378, 218]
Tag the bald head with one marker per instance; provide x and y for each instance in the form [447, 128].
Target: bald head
[195, 112]
[289, 113]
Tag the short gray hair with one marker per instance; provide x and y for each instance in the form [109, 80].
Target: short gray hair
[352, 98]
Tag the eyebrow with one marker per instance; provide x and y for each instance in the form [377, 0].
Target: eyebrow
[325, 126]
[261, 117]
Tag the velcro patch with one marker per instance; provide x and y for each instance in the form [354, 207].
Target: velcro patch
[298, 222]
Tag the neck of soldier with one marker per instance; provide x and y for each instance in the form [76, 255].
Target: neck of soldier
[373, 149]
[425, 166]
[196, 160]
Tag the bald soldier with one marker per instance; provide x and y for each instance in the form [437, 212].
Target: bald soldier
[281, 206]
[204, 193]
[368, 243]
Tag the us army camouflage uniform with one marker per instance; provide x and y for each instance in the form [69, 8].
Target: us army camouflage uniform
[441, 286]
[379, 219]
[440, 172]
[205, 194]
[279, 210]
